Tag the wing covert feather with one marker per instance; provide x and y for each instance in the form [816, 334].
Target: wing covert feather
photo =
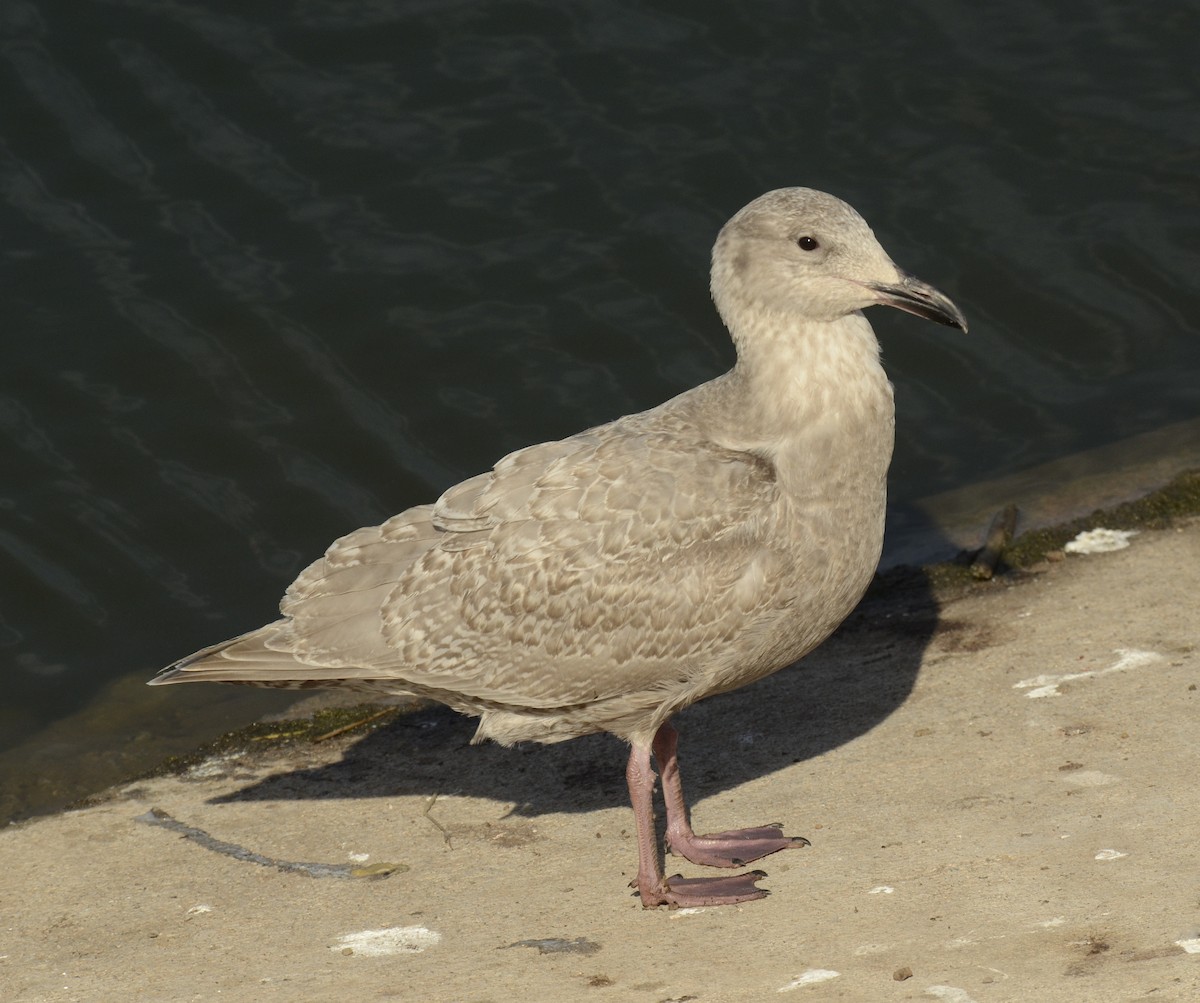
[608, 567]
[574, 571]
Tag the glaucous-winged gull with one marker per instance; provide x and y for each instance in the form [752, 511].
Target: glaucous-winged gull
[608, 580]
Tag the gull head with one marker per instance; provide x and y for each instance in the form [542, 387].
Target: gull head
[805, 254]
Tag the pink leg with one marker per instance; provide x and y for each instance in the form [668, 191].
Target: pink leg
[734, 848]
[675, 891]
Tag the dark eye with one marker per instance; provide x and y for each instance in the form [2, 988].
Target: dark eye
[808, 243]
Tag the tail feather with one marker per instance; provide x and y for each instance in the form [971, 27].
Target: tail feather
[262, 657]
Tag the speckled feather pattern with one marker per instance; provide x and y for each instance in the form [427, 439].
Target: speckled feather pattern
[605, 581]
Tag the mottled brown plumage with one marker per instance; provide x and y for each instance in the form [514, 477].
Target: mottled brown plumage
[606, 581]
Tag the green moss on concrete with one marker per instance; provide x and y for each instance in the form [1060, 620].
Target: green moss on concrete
[319, 726]
[1180, 499]
[1161, 509]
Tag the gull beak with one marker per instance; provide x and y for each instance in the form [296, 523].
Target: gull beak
[914, 296]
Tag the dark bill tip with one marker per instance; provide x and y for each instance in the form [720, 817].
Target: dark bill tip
[917, 297]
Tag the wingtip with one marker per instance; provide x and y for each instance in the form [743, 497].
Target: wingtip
[170, 674]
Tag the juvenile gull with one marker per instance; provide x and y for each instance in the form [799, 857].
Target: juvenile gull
[608, 580]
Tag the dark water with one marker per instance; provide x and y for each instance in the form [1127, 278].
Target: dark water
[273, 272]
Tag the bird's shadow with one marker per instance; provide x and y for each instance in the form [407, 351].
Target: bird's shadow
[839, 692]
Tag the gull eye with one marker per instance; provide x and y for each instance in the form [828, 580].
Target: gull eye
[807, 243]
